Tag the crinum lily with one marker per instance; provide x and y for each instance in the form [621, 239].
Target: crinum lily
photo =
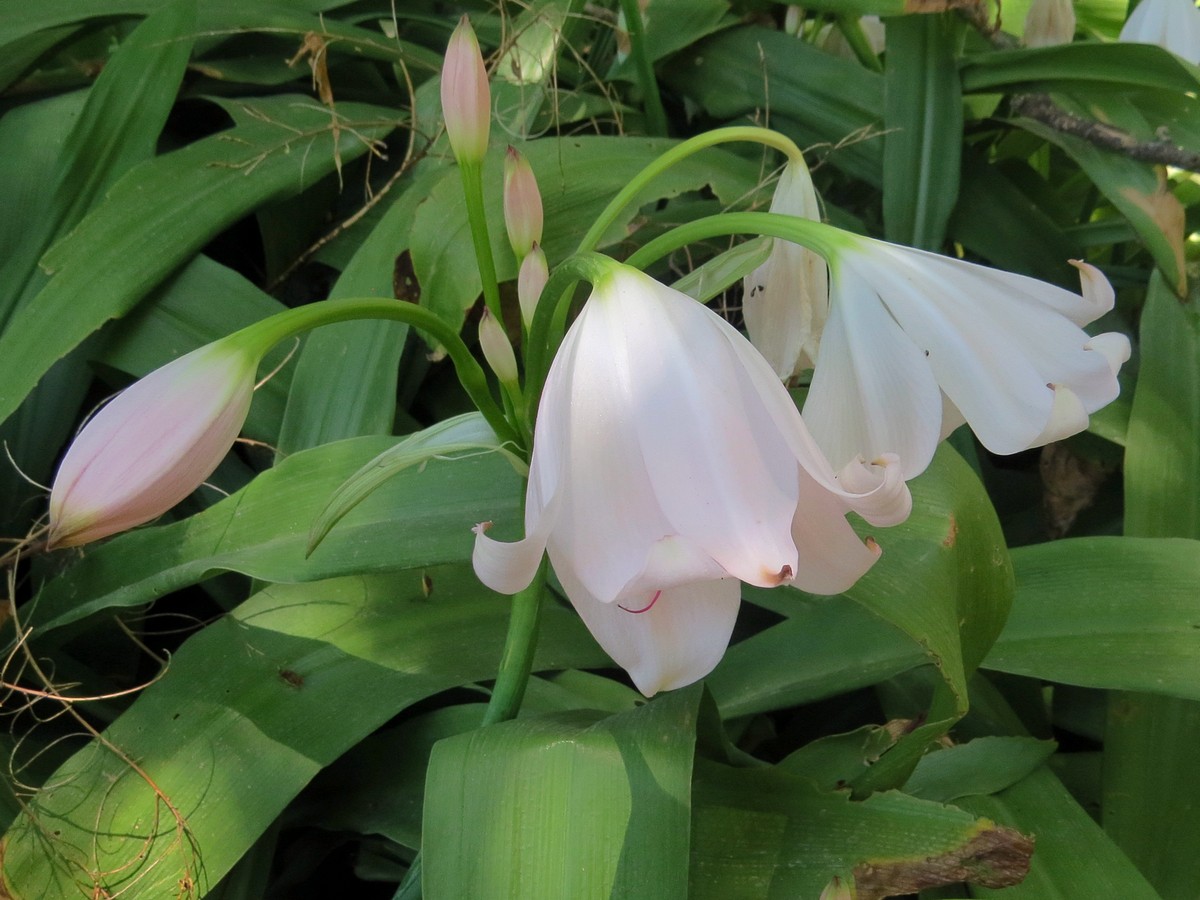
[669, 464]
[917, 343]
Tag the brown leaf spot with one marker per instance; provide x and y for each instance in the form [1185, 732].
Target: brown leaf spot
[951, 537]
[1167, 214]
[996, 857]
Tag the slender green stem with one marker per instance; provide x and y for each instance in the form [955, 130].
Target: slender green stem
[519, 646]
[677, 153]
[852, 30]
[656, 116]
[543, 341]
[472, 181]
[287, 324]
[824, 239]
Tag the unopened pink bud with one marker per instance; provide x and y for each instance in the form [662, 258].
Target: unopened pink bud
[496, 348]
[531, 279]
[522, 204]
[466, 98]
[152, 445]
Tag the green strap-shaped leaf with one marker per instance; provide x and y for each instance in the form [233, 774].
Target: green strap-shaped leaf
[417, 518]
[923, 119]
[1151, 800]
[250, 709]
[163, 211]
[1072, 67]
[1073, 859]
[564, 805]
[1106, 612]
[764, 833]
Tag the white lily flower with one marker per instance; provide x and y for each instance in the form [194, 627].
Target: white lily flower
[786, 299]
[1173, 25]
[669, 463]
[918, 343]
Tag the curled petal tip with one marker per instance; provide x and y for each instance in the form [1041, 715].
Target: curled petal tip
[481, 528]
[1113, 346]
[877, 491]
[1096, 289]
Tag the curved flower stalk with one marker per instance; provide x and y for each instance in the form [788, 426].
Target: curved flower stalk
[786, 299]
[668, 464]
[917, 343]
[153, 444]
[162, 436]
[1173, 25]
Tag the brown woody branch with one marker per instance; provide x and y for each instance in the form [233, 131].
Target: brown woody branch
[1041, 108]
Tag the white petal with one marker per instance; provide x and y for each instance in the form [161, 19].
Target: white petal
[678, 640]
[508, 567]
[994, 341]
[1096, 291]
[873, 391]
[1113, 346]
[880, 495]
[609, 514]
[1067, 417]
[786, 299]
[832, 556]
[722, 474]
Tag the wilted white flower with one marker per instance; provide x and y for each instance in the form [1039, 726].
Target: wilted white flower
[786, 299]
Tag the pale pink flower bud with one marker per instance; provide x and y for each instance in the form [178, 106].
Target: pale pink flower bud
[152, 445]
[531, 279]
[496, 348]
[522, 204]
[1049, 22]
[466, 98]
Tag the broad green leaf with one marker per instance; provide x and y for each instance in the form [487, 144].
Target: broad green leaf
[1139, 191]
[418, 518]
[763, 833]
[923, 120]
[116, 128]
[564, 805]
[943, 579]
[250, 709]
[1162, 450]
[1106, 612]
[1151, 800]
[673, 25]
[163, 211]
[825, 647]
[1073, 859]
[816, 98]
[985, 765]
[1079, 66]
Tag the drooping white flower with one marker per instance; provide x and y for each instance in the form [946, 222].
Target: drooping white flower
[153, 444]
[786, 299]
[917, 343]
[668, 464]
[1173, 25]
